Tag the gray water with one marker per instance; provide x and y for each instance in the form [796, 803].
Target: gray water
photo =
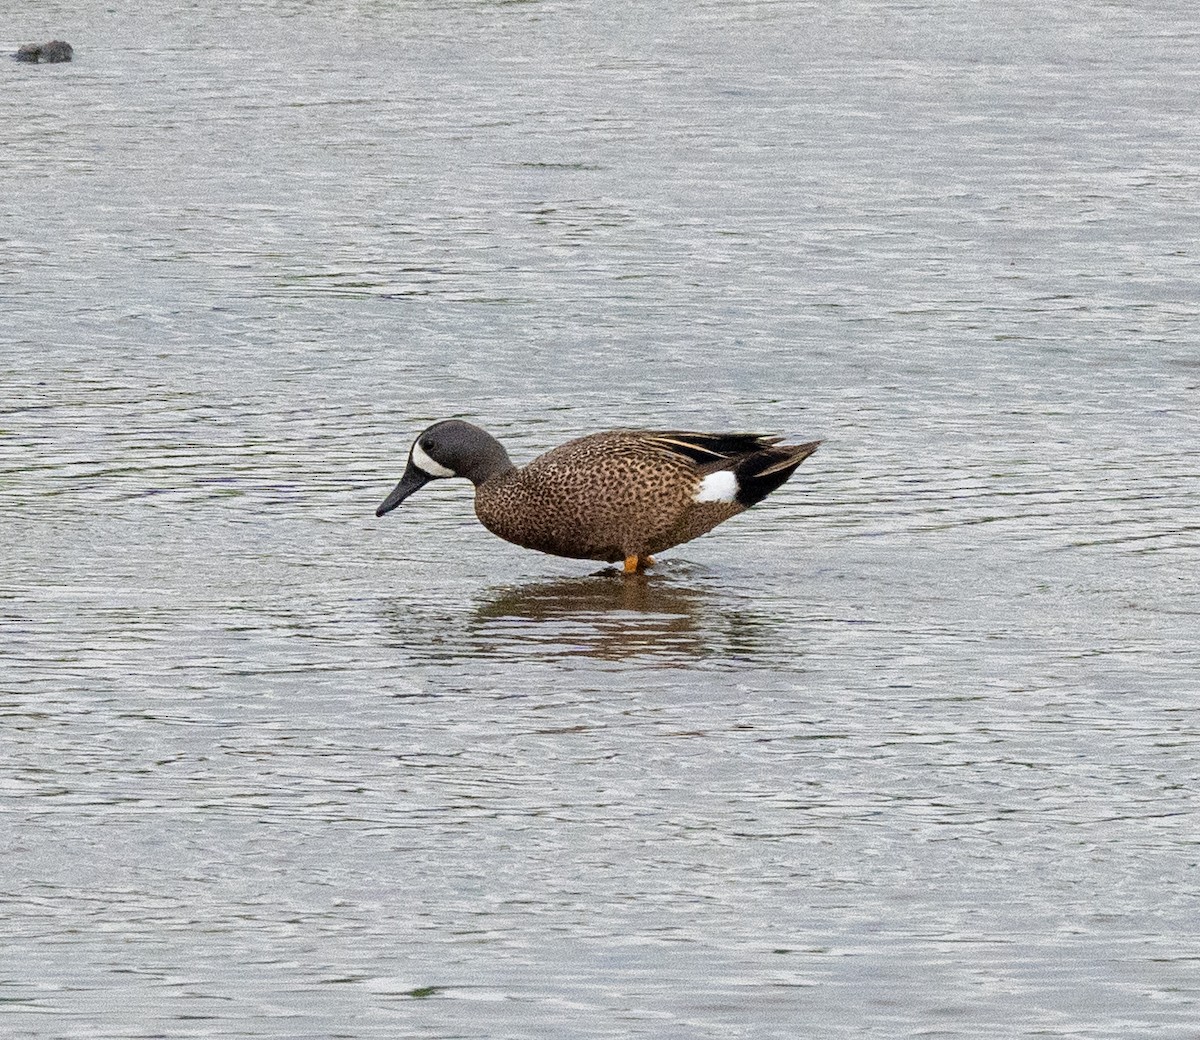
[909, 750]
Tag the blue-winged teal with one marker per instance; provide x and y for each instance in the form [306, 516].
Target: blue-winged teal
[612, 496]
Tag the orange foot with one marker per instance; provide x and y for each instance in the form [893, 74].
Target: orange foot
[635, 563]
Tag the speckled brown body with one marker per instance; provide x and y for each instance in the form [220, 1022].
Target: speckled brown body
[603, 497]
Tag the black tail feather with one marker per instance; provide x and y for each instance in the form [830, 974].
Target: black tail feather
[764, 471]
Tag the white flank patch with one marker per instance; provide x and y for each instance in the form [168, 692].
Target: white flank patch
[424, 463]
[721, 486]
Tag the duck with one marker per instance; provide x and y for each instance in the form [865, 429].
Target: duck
[617, 496]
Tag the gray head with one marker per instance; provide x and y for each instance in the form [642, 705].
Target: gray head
[451, 448]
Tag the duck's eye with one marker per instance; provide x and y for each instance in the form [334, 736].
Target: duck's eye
[424, 459]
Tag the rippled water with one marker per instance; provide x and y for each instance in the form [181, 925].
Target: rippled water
[908, 750]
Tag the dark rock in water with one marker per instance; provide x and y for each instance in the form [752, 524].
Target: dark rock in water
[57, 50]
[52, 52]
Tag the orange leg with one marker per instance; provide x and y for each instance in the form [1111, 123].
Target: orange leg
[636, 563]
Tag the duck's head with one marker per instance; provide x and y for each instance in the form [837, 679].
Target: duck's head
[451, 448]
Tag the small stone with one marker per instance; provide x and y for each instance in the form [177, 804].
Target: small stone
[51, 53]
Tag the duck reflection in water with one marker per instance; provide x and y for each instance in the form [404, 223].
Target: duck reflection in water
[609, 615]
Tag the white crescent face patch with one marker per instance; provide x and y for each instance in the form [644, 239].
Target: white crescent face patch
[425, 464]
[721, 486]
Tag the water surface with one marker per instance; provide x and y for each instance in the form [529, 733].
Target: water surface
[908, 750]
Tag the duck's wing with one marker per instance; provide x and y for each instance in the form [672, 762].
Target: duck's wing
[758, 464]
[705, 448]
